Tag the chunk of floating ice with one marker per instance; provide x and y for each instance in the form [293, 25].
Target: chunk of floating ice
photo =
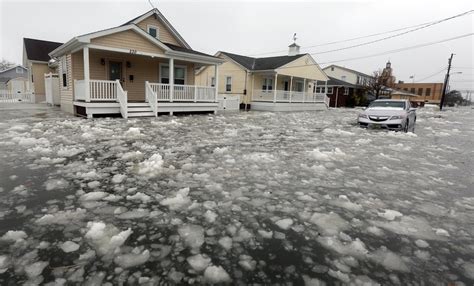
[441, 232]
[389, 260]
[93, 196]
[69, 152]
[421, 243]
[69, 246]
[247, 262]
[198, 262]
[335, 155]
[131, 156]
[355, 248]
[285, 223]
[54, 184]
[309, 281]
[35, 269]
[216, 274]
[150, 167]
[134, 214]
[192, 235]
[62, 217]
[468, 269]
[265, 234]
[14, 235]
[181, 200]
[118, 178]
[390, 214]
[330, 224]
[132, 132]
[139, 197]
[225, 242]
[132, 259]
[4, 263]
[210, 216]
[105, 238]
[93, 184]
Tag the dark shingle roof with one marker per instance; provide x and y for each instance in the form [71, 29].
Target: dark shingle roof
[38, 50]
[268, 63]
[337, 82]
[185, 50]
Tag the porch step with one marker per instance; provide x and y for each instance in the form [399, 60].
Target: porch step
[138, 109]
[138, 104]
[140, 114]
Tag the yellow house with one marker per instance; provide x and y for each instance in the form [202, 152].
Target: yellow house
[140, 68]
[36, 59]
[281, 83]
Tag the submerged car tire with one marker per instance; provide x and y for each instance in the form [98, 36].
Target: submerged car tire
[407, 126]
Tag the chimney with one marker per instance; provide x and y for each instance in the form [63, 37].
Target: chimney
[294, 49]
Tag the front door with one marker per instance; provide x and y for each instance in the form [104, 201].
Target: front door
[287, 86]
[115, 71]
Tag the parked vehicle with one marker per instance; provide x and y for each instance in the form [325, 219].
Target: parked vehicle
[389, 114]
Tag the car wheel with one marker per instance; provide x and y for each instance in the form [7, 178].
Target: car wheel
[407, 125]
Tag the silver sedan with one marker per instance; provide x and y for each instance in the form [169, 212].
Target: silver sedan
[389, 114]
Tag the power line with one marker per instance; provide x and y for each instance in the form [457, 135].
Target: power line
[402, 49]
[151, 4]
[430, 76]
[417, 27]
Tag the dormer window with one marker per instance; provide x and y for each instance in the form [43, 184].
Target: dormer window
[154, 31]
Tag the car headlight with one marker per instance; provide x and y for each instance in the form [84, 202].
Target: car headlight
[396, 117]
[362, 115]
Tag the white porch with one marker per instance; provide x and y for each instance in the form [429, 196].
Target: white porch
[108, 97]
[282, 92]
[144, 97]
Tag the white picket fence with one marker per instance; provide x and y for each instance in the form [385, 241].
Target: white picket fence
[7, 96]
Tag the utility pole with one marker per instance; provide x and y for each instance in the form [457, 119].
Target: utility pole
[446, 82]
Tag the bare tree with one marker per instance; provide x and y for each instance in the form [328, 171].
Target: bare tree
[379, 83]
[5, 64]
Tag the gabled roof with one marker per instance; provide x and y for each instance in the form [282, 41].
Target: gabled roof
[38, 50]
[13, 67]
[349, 70]
[336, 82]
[268, 63]
[161, 17]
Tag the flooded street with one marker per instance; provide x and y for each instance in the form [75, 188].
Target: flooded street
[265, 198]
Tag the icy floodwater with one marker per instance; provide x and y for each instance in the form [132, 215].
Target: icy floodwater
[266, 198]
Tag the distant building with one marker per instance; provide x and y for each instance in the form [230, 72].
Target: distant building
[36, 59]
[427, 92]
[348, 75]
[14, 79]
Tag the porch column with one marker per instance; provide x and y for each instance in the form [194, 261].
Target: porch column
[325, 89]
[291, 87]
[337, 95]
[171, 78]
[275, 88]
[216, 76]
[87, 91]
[304, 88]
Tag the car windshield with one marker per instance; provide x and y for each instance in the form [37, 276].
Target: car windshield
[390, 104]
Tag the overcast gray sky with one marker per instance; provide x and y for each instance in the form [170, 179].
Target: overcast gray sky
[251, 28]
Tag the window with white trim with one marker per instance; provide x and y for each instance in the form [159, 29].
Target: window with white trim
[346, 91]
[213, 81]
[267, 84]
[318, 89]
[19, 70]
[228, 83]
[329, 90]
[179, 74]
[154, 31]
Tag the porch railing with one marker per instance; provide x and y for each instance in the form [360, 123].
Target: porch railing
[122, 99]
[151, 97]
[99, 90]
[289, 97]
[181, 93]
